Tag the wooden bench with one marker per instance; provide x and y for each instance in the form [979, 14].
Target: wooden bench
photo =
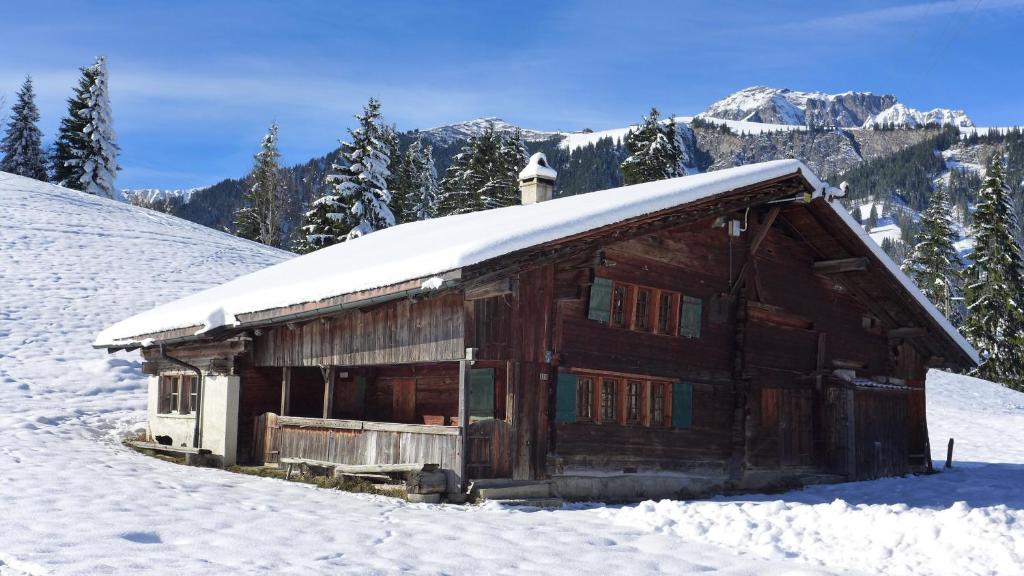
[368, 471]
[157, 447]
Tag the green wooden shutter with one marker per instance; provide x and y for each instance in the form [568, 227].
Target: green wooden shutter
[600, 300]
[565, 398]
[361, 395]
[690, 314]
[481, 395]
[682, 405]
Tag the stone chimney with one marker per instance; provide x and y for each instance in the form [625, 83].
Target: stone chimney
[537, 180]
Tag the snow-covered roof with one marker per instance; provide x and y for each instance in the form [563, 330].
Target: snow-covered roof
[434, 247]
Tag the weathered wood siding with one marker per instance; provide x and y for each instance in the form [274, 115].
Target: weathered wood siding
[357, 442]
[396, 332]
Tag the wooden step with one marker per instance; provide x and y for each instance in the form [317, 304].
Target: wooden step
[531, 502]
[516, 492]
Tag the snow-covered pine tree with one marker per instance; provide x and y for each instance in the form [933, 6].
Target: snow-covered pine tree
[424, 178]
[22, 146]
[934, 264]
[654, 151]
[264, 204]
[357, 203]
[462, 187]
[86, 153]
[509, 159]
[72, 140]
[994, 288]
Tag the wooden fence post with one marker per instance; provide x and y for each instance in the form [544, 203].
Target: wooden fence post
[286, 390]
[949, 454]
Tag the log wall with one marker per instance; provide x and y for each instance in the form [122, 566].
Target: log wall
[396, 332]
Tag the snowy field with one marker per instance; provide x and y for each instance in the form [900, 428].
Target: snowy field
[73, 501]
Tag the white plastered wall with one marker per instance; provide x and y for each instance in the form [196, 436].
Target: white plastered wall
[219, 408]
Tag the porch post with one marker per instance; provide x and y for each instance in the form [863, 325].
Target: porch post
[465, 366]
[286, 390]
[329, 391]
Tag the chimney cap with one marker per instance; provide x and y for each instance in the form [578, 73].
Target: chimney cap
[538, 167]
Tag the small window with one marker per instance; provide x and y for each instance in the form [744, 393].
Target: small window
[585, 399]
[658, 404]
[609, 395]
[177, 394]
[642, 316]
[633, 388]
[667, 312]
[619, 294]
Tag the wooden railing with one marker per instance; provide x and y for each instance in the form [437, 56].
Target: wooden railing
[358, 442]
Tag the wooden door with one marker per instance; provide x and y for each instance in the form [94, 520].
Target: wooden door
[403, 406]
[796, 427]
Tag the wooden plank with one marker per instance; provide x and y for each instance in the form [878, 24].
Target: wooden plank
[840, 265]
[165, 448]
[412, 428]
[490, 289]
[755, 244]
[465, 389]
[909, 332]
[286, 390]
[329, 390]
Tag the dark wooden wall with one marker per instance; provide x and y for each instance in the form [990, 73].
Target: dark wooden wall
[396, 332]
[259, 391]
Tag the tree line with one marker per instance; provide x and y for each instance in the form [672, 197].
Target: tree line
[84, 154]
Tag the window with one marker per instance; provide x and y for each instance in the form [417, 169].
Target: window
[585, 399]
[666, 312]
[624, 399]
[609, 395]
[642, 316]
[633, 401]
[178, 394]
[658, 403]
[619, 294]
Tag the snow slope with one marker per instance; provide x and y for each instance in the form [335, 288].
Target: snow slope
[74, 501]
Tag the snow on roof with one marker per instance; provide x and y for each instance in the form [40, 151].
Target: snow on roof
[538, 167]
[433, 247]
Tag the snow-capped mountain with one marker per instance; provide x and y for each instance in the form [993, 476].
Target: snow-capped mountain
[450, 133]
[152, 196]
[848, 109]
[904, 116]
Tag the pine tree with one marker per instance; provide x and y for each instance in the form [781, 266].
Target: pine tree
[462, 187]
[654, 151]
[995, 321]
[264, 204]
[934, 264]
[510, 157]
[415, 195]
[424, 179]
[22, 146]
[86, 151]
[72, 140]
[485, 174]
[358, 202]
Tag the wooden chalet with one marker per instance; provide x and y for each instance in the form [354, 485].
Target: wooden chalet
[734, 330]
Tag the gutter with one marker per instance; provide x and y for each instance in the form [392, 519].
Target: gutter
[196, 440]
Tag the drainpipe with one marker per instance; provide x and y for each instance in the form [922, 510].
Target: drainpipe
[196, 443]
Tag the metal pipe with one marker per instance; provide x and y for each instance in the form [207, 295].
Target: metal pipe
[199, 392]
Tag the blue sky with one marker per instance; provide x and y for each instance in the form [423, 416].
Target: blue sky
[195, 84]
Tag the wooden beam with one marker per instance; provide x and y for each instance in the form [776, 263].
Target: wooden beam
[329, 380]
[909, 332]
[840, 265]
[286, 390]
[464, 397]
[762, 233]
[498, 287]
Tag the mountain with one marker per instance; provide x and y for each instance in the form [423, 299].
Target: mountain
[451, 133]
[903, 116]
[847, 110]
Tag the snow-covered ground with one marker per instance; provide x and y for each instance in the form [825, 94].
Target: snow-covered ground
[73, 501]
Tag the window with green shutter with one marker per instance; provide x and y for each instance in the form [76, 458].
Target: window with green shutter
[682, 405]
[481, 395]
[600, 300]
[690, 313]
[565, 398]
